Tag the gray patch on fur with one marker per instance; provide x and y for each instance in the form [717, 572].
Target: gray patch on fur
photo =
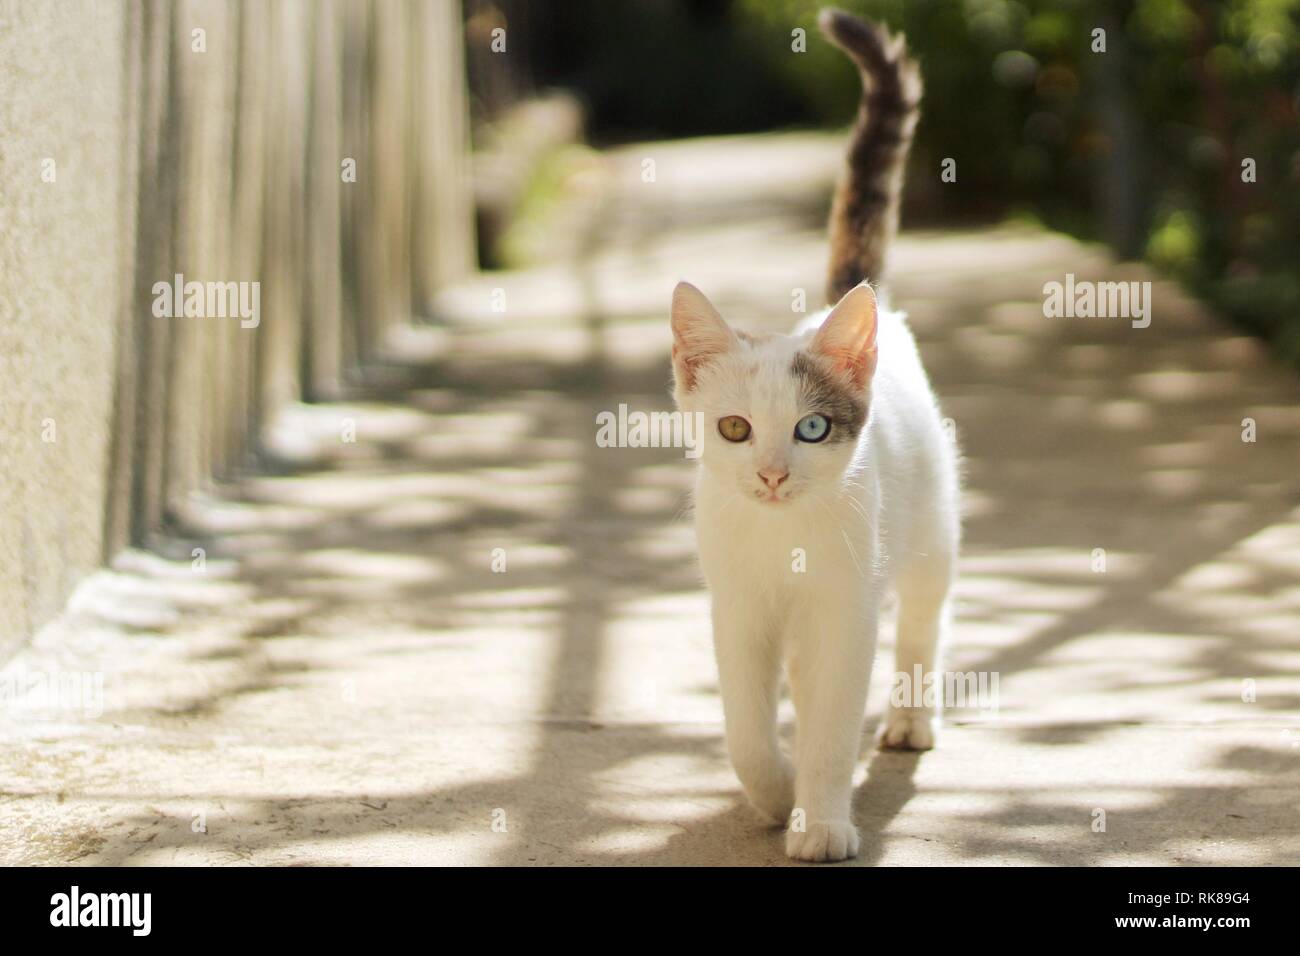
[828, 394]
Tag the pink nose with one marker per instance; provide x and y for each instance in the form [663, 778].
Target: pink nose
[773, 476]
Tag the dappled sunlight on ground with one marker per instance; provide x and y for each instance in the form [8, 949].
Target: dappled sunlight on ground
[443, 626]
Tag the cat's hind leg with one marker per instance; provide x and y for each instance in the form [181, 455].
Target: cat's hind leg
[917, 688]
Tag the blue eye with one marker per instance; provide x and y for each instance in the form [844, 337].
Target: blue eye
[812, 428]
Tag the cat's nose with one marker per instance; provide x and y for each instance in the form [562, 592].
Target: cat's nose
[772, 477]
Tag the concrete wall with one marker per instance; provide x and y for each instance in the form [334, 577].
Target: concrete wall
[132, 149]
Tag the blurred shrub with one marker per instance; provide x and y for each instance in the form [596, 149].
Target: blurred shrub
[1147, 146]
[1141, 146]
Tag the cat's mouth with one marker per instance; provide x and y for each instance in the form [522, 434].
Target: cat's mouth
[770, 497]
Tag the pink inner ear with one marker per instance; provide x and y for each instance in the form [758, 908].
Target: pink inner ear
[858, 365]
[688, 360]
[699, 333]
[848, 336]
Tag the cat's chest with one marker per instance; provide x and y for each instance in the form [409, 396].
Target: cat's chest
[802, 552]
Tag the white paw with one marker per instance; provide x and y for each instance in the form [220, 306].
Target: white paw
[822, 842]
[907, 729]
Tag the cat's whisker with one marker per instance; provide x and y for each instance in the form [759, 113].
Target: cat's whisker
[853, 554]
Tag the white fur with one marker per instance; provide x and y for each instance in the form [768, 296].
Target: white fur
[879, 513]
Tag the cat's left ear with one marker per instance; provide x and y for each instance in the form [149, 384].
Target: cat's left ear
[699, 333]
[847, 337]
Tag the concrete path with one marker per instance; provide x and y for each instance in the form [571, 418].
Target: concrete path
[341, 676]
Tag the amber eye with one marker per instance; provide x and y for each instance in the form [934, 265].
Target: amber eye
[733, 428]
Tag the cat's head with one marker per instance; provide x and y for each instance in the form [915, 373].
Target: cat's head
[781, 413]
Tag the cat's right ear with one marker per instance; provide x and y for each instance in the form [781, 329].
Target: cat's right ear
[699, 334]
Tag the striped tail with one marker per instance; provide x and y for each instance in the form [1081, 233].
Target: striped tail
[864, 213]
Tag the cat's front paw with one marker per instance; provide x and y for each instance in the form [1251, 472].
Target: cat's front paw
[822, 842]
[908, 729]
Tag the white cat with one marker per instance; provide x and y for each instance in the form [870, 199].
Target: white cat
[826, 478]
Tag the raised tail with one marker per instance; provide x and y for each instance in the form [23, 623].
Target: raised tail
[864, 213]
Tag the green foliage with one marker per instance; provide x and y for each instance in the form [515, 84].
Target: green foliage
[1159, 125]
[1140, 146]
